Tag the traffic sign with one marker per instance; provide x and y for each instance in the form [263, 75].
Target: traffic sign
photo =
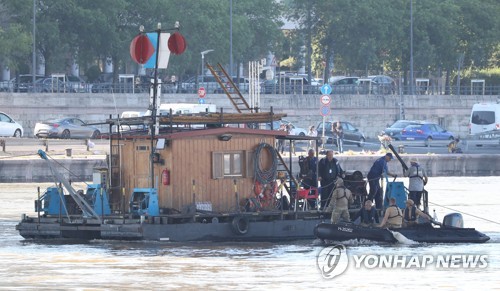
[201, 92]
[325, 99]
[201, 101]
[326, 89]
[325, 110]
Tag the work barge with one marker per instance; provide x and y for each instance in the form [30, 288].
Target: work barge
[209, 176]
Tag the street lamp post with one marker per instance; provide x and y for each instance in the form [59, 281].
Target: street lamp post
[203, 53]
[411, 48]
[34, 47]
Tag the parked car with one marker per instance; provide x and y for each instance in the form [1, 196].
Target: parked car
[47, 85]
[270, 87]
[103, 84]
[192, 84]
[484, 117]
[76, 84]
[9, 127]
[288, 84]
[243, 85]
[394, 131]
[344, 85]
[317, 82]
[6, 86]
[352, 135]
[383, 84]
[66, 83]
[102, 88]
[427, 132]
[22, 83]
[66, 128]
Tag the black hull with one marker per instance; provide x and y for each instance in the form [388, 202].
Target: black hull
[238, 228]
[423, 234]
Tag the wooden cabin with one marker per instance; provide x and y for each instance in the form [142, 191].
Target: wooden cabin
[213, 167]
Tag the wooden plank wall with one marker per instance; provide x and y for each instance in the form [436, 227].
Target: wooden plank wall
[190, 159]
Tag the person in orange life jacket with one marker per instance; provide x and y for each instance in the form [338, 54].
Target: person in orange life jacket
[328, 171]
[378, 168]
[411, 214]
[393, 217]
[418, 178]
[341, 197]
[367, 215]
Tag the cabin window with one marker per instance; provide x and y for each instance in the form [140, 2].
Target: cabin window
[228, 164]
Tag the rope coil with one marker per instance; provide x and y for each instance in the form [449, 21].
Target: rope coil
[265, 176]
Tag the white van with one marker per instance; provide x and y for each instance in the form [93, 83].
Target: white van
[184, 108]
[484, 117]
[132, 114]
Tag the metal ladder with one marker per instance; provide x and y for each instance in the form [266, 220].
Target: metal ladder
[282, 166]
[231, 90]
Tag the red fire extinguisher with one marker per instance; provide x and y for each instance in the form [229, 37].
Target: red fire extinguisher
[165, 177]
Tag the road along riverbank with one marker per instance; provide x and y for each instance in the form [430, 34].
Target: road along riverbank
[370, 113]
[31, 168]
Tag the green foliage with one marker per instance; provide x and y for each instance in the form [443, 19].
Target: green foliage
[374, 35]
[358, 36]
[490, 76]
[92, 73]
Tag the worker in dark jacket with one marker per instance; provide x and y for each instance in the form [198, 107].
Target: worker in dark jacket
[367, 215]
[377, 170]
[328, 171]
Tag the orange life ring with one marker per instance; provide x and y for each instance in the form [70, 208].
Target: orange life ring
[257, 188]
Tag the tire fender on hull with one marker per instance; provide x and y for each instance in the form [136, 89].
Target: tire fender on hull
[240, 225]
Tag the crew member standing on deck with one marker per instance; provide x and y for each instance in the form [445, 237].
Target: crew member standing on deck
[328, 170]
[377, 170]
[339, 205]
[418, 178]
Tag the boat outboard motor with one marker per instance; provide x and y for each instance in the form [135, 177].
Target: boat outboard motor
[453, 220]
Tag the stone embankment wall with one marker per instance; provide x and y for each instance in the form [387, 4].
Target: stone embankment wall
[36, 170]
[370, 113]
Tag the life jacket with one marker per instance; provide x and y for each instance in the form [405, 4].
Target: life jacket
[305, 167]
[344, 196]
[391, 219]
[410, 214]
[417, 175]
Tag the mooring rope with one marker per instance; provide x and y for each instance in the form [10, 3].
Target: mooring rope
[485, 219]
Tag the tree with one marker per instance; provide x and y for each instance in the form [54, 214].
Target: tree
[15, 40]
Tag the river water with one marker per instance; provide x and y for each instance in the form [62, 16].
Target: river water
[116, 265]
